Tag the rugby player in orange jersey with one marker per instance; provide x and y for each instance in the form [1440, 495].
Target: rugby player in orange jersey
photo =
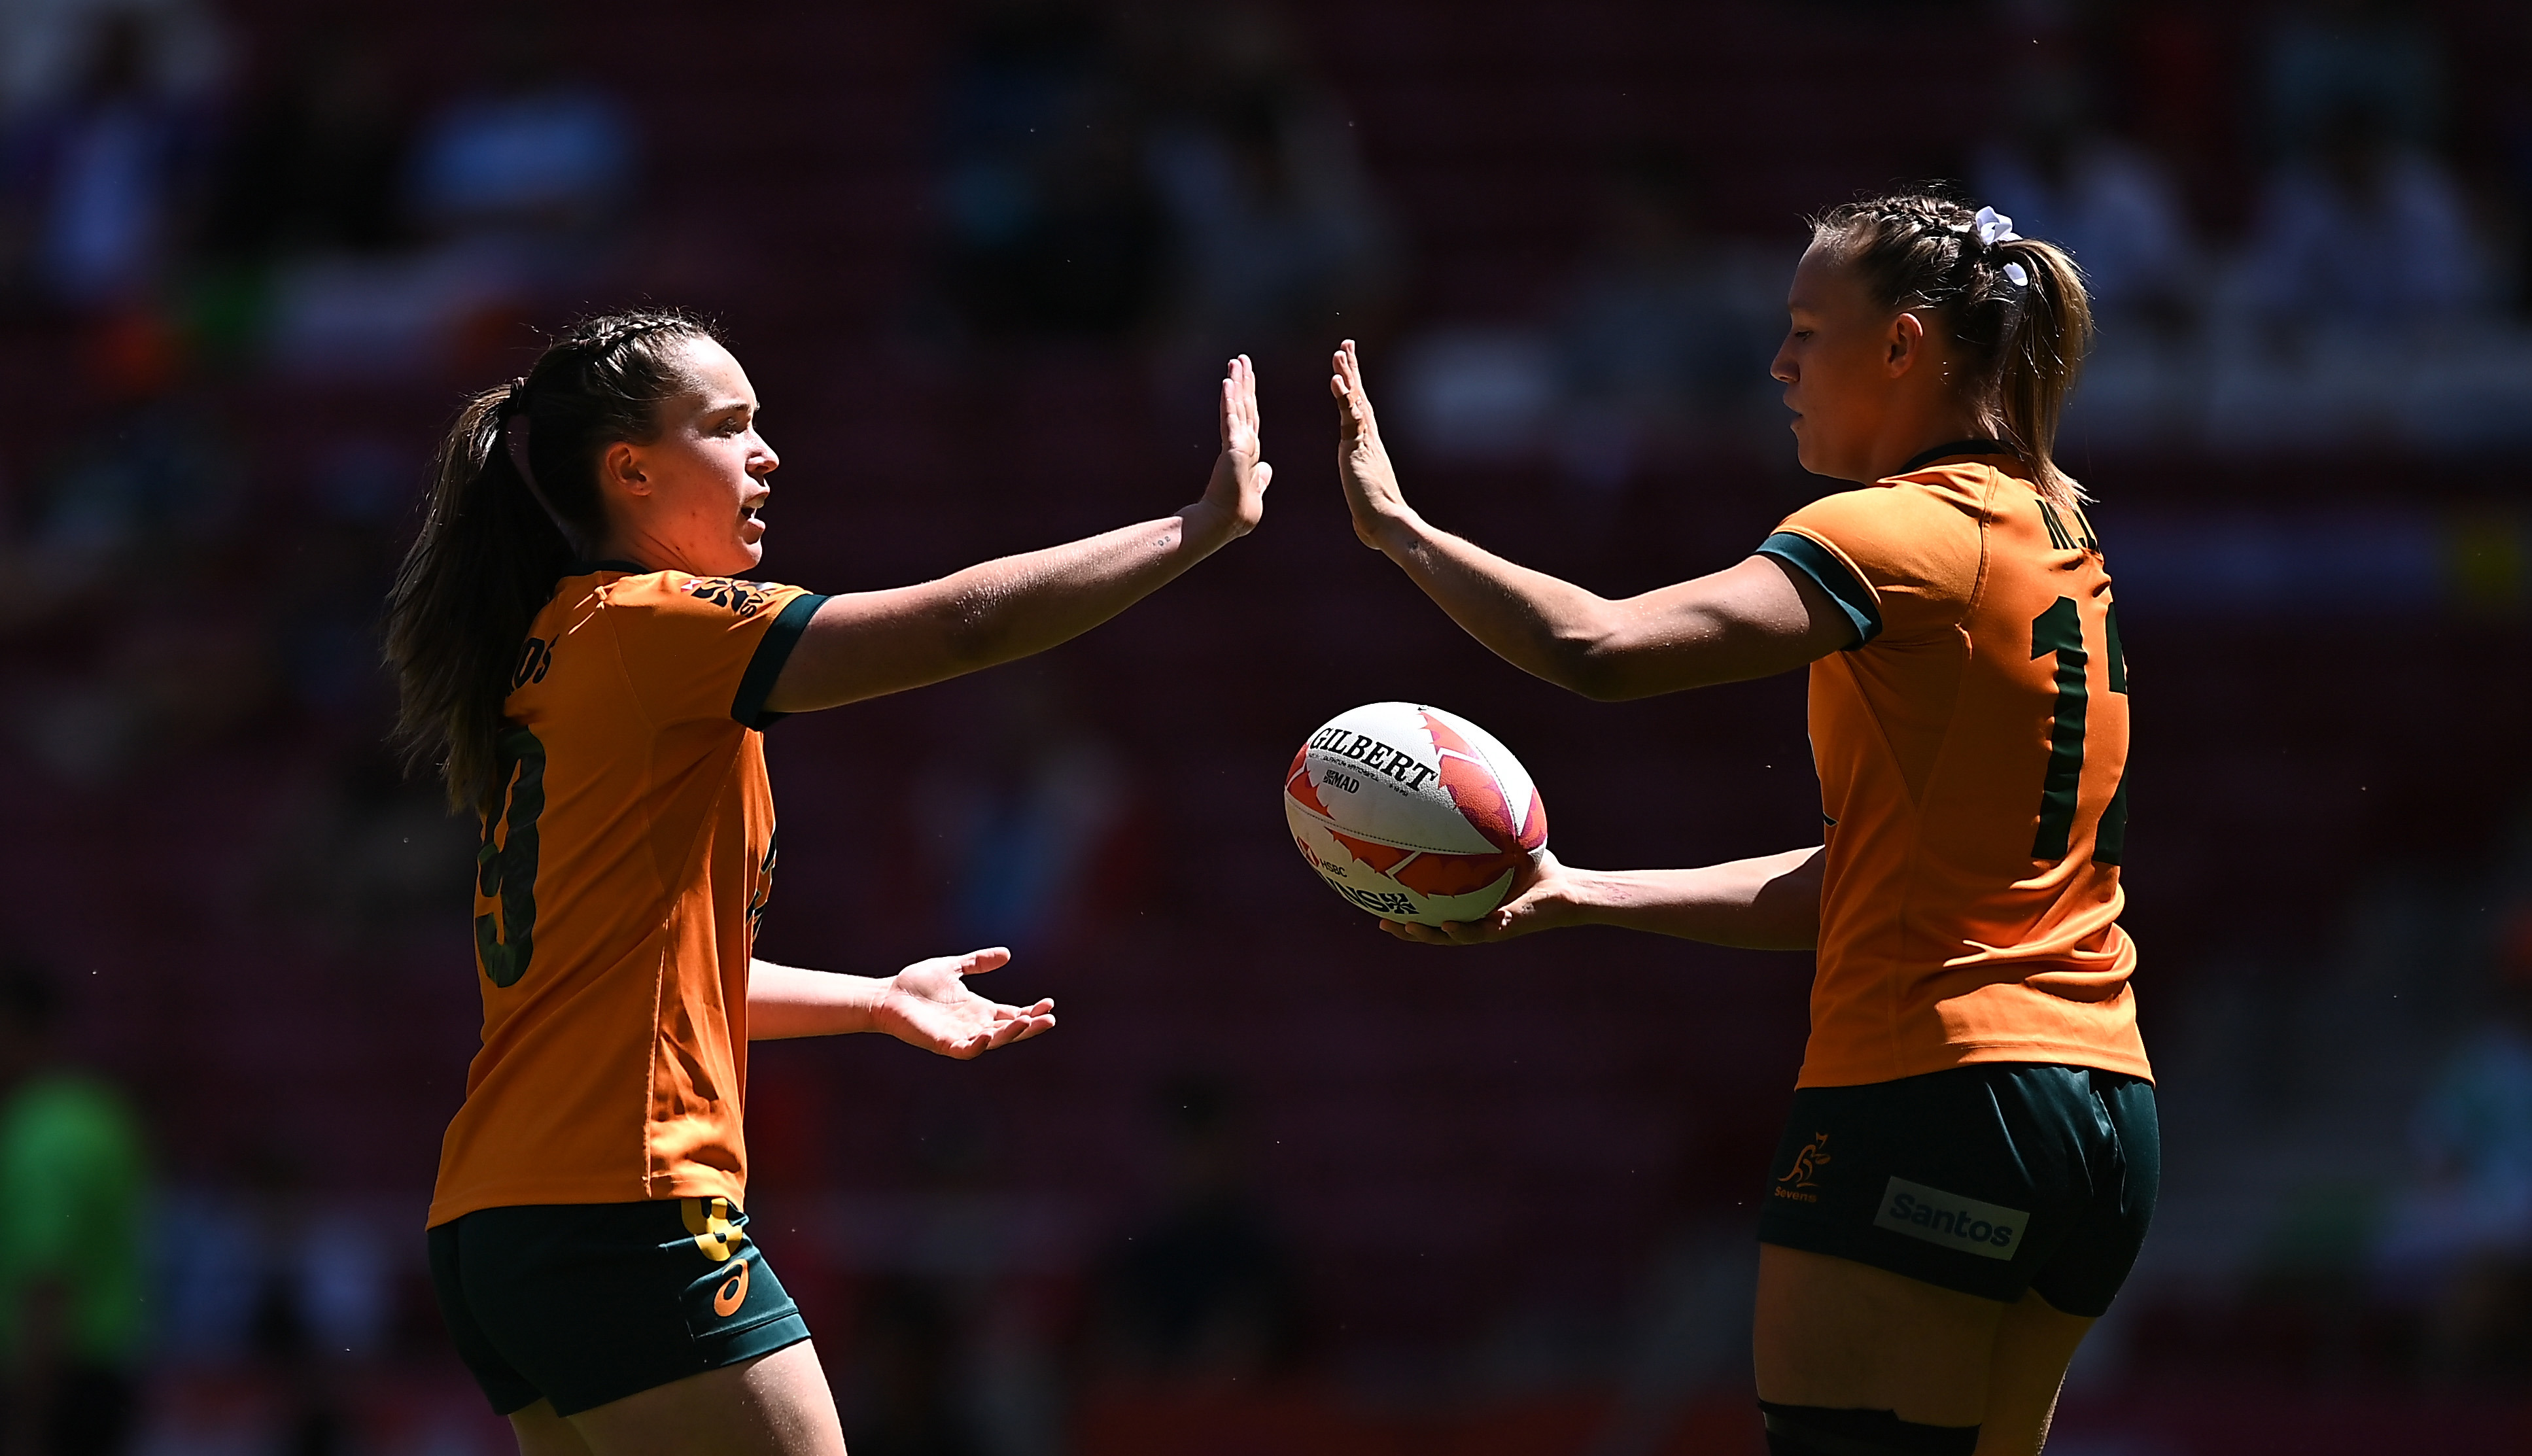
[577, 650]
[1972, 1158]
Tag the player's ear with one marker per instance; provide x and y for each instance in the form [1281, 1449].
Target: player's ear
[620, 469]
[1907, 341]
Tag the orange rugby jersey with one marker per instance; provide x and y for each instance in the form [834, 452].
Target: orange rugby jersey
[1971, 748]
[616, 896]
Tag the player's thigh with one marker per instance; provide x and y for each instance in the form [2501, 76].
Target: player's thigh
[1837, 1333]
[773, 1405]
[2033, 1343]
[542, 1433]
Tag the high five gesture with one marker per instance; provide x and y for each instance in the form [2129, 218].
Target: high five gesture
[1238, 491]
[863, 644]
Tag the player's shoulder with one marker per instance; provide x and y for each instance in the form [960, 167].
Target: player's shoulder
[1961, 488]
[1926, 506]
[681, 594]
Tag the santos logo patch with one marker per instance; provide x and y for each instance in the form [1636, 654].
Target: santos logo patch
[1948, 1219]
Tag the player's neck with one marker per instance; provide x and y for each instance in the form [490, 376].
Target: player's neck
[1911, 436]
[634, 547]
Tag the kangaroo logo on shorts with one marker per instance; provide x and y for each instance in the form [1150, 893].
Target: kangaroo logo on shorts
[1803, 1175]
[707, 1219]
[1950, 1220]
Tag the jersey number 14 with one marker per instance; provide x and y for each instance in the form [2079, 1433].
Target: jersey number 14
[2060, 631]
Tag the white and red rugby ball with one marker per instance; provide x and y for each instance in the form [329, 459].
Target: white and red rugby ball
[1413, 813]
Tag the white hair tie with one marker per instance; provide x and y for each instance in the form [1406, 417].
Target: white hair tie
[2015, 272]
[1993, 227]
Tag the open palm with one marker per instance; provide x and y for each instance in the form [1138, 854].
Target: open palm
[1362, 461]
[930, 1005]
[1239, 478]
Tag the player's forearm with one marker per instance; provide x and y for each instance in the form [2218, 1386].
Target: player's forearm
[1767, 904]
[1021, 605]
[786, 1001]
[867, 644]
[1549, 629]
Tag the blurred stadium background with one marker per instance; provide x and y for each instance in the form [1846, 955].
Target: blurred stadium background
[1278, 1184]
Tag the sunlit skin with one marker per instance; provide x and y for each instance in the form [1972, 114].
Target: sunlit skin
[1870, 387]
[687, 499]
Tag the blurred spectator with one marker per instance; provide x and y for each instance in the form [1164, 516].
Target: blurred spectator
[168, 681]
[139, 513]
[318, 162]
[72, 1177]
[512, 188]
[1662, 329]
[2368, 235]
[47, 45]
[909, 1347]
[2115, 207]
[2513, 108]
[362, 864]
[2322, 58]
[93, 178]
[2461, 1240]
[962, 1277]
[1658, 339]
[1207, 1290]
[532, 157]
[152, 479]
[1051, 227]
[1281, 234]
[319, 1296]
[1030, 814]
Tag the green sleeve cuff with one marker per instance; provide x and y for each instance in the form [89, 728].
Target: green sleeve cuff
[1823, 566]
[764, 668]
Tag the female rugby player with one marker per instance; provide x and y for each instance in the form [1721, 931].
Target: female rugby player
[577, 650]
[1972, 1157]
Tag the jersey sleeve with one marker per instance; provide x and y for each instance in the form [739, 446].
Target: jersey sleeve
[704, 647]
[1897, 560]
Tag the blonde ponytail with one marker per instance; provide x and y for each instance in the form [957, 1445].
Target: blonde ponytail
[2014, 307]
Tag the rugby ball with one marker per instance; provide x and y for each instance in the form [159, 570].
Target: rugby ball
[1413, 813]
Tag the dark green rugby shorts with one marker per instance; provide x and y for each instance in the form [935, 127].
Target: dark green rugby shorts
[583, 1303]
[1990, 1179]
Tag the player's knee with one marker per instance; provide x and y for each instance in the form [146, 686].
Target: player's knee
[1823, 1430]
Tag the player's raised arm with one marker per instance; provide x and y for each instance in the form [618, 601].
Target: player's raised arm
[866, 644]
[1753, 619]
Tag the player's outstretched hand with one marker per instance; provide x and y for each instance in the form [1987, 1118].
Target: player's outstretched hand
[928, 1005]
[1237, 489]
[1542, 899]
[1362, 461]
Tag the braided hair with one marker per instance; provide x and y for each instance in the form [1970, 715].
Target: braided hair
[513, 502]
[2014, 309]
